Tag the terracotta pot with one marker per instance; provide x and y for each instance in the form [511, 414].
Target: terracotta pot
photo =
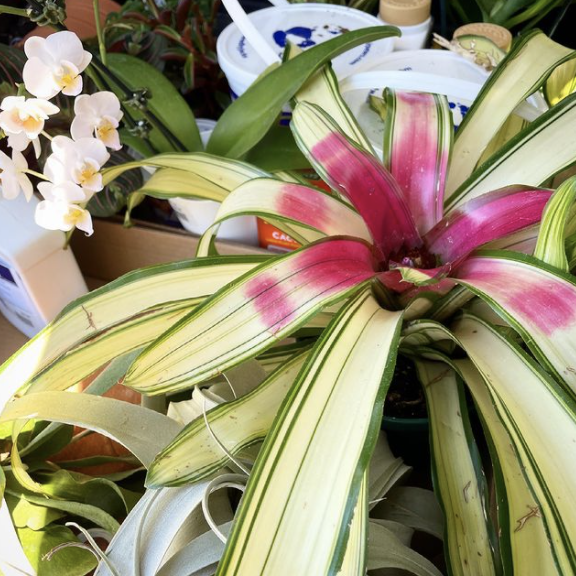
[80, 18]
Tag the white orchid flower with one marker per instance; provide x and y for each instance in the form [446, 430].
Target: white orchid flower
[55, 64]
[23, 119]
[13, 178]
[59, 209]
[77, 161]
[98, 116]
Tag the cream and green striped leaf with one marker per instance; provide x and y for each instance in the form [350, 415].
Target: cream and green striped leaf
[458, 478]
[310, 213]
[550, 247]
[322, 89]
[521, 73]
[538, 301]
[202, 446]
[531, 157]
[107, 308]
[204, 170]
[251, 314]
[355, 557]
[295, 515]
[536, 412]
[523, 541]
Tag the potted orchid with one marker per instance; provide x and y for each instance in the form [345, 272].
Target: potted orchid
[390, 265]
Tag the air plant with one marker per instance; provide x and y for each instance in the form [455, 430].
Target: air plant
[456, 263]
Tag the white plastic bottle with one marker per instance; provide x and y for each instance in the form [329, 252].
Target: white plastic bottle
[412, 17]
[37, 276]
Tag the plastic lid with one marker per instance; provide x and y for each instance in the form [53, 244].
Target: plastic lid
[501, 36]
[405, 12]
[304, 25]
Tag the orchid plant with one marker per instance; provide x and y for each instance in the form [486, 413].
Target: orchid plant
[72, 173]
[452, 253]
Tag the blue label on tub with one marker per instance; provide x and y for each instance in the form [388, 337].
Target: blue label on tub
[305, 37]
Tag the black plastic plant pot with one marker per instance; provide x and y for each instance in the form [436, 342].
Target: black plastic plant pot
[408, 438]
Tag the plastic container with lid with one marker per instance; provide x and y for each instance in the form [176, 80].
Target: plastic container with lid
[37, 276]
[412, 17]
[197, 216]
[434, 71]
[305, 25]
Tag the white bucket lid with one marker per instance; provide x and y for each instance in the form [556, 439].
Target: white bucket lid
[305, 25]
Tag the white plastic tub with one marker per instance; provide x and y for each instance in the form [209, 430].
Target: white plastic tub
[305, 25]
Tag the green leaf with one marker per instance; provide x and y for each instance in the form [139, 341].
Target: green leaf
[314, 458]
[198, 450]
[386, 550]
[530, 551]
[27, 515]
[527, 400]
[117, 302]
[457, 477]
[550, 247]
[165, 101]
[142, 431]
[236, 132]
[522, 72]
[538, 152]
[252, 314]
[66, 562]
[561, 83]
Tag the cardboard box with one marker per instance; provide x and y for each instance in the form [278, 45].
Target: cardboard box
[114, 250]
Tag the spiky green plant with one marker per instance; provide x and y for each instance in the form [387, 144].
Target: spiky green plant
[393, 262]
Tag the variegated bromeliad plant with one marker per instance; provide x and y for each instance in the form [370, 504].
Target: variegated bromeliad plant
[452, 254]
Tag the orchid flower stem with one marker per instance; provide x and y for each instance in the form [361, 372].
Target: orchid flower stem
[148, 114]
[37, 174]
[99, 31]
[46, 135]
[14, 11]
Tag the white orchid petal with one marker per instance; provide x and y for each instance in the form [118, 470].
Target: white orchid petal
[86, 59]
[19, 161]
[12, 102]
[84, 222]
[39, 79]
[35, 47]
[26, 186]
[37, 147]
[74, 88]
[18, 142]
[51, 215]
[45, 189]
[65, 46]
[82, 127]
[55, 170]
[111, 139]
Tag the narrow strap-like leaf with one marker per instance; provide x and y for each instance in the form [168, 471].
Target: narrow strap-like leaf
[357, 175]
[315, 213]
[458, 478]
[323, 90]
[538, 152]
[139, 292]
[528, 401]
[550, 247]
[236, 131]
[417, 142]
[204, 445]
[295, 515]
[489, 217]
[251, 314]
[530, 551]
[535, 300]
[144, 432]
[521, 72]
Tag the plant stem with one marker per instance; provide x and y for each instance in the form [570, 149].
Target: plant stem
[99, 33]
[37, 174]
[14, 11]
[46, 135]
